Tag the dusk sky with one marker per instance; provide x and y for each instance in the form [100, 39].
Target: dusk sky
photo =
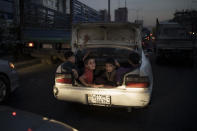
[149, 10]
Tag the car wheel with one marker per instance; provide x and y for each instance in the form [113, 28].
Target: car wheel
[4, 88]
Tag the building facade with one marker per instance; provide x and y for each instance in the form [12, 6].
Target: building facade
[104, 15]
[6, 19]
[58, 5]
[6, 9]
[121, 15]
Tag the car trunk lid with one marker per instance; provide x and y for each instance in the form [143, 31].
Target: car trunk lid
[105, 33]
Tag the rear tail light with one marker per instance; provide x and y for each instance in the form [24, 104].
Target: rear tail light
[137, 82]
[64, 79]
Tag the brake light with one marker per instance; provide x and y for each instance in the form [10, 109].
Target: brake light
[137, 82]
[137, 85]
[64, 79]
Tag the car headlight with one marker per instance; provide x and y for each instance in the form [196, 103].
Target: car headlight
[11, 65]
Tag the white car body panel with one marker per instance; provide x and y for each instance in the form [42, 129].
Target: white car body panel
[120, 96]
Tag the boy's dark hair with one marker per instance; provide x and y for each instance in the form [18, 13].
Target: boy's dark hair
[110, 60]
[68, 54]
[87, 59]
[134, 58]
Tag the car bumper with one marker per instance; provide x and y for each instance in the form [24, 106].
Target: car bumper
[119, 97]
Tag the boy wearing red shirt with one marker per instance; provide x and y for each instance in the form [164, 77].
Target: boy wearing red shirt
[87, 78]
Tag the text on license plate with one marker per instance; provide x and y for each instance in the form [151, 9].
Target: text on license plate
[99, 99]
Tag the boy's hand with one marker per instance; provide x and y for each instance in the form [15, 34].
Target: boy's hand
[117, 63]
[86, 55]
[75, 73]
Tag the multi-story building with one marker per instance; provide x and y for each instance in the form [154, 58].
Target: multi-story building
[104, 15]
[121, 15]
[6, 19]
[6, 9]
[52, 4]
[58, 5]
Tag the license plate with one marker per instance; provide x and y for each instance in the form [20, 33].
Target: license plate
[99, 99]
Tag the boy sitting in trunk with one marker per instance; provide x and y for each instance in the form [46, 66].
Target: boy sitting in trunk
[69, 65]
[134, 62]
[88, 76]
[108, 78]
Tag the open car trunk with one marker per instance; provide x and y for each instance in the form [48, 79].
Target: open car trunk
[101, 54]
[104, 40]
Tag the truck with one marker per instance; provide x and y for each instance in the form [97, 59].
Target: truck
[172, 39]
[45, 29]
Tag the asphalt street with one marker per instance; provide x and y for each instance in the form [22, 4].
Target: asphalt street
[173, 106]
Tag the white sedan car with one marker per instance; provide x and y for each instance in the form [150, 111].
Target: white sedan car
[105, 40]
[8, 79]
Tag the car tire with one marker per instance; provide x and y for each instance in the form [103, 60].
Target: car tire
[4, 88]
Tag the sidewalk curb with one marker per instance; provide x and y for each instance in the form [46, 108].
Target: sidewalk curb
[24, 64]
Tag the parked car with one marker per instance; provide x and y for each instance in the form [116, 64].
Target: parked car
[105, 40]
[8, 79]
[26, 121]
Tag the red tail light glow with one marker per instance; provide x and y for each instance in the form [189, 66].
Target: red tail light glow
[64, 79]
[137, 85]
[137, 82]
[14, 113]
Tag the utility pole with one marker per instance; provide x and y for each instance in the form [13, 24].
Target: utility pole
[193, 25]
[109, 11]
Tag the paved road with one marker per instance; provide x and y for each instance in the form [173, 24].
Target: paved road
[173, 107]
